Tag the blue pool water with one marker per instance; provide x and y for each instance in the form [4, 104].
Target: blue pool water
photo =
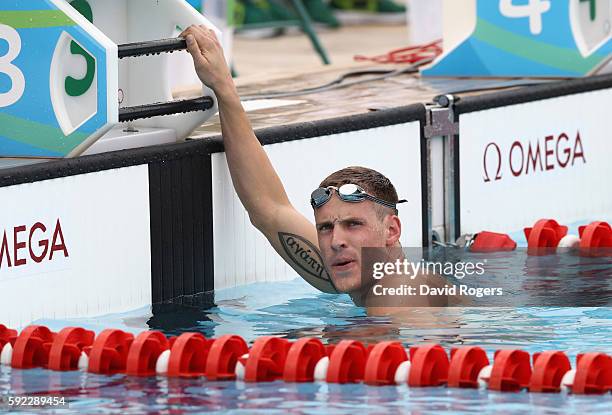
[293, 310]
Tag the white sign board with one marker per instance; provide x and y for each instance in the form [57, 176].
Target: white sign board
[75, 246]
[242, 253]
[542, 159]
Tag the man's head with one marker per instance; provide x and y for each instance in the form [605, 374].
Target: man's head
[345, 227]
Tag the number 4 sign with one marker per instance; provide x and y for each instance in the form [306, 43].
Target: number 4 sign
[58, 88]
[533, 10]
[530, 38]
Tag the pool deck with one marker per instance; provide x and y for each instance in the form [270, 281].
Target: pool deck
[264, 70]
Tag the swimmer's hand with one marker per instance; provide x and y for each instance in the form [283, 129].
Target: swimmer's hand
[207, 54]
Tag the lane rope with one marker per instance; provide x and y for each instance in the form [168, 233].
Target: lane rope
[305, 360]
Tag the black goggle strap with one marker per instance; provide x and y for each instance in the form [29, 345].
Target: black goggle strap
[380, 201]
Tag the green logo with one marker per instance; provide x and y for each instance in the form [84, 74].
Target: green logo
[593, 8]
[77, 87]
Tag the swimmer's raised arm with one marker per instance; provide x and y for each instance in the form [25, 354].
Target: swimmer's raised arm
[258, 186]
[254, 178]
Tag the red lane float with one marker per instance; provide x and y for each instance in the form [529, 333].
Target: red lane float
[593, 236]
[31, 348]
[7, 336]
[302, 358]
[546, 233]
[108, 353]
[347, 362]
[144, 352]
[223, 356]
[486, 241]
[429, 366]
[188, 355]
[266, 359]
[7, 341]
[67, 347]
[593, 374]
[511, 371]
[465, 365]
[382, 363]
[548, 371]
[306, 360]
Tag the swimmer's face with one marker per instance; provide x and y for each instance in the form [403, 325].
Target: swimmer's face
[343, 229]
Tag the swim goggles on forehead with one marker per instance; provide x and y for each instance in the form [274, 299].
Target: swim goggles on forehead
[347, 192]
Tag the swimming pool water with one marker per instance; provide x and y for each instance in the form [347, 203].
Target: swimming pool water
[293, 310]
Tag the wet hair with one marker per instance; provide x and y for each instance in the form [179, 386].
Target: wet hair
[371, 181]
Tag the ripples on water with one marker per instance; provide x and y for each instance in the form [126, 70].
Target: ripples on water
[293, 310]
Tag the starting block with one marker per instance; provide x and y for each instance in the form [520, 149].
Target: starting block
[82, 76]
[525, 38]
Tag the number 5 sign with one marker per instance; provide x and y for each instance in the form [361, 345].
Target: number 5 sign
[560, 38]
[58, 79]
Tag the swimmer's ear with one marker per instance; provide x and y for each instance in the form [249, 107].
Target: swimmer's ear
[393, 229]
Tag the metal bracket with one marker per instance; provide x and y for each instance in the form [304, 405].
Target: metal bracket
[441, 133]
[440, 120]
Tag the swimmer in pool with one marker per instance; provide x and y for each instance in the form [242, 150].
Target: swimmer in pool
[353, 208]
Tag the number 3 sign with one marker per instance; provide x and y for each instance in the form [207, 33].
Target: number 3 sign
[530, 38]
[58, 88]
[7, 67]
